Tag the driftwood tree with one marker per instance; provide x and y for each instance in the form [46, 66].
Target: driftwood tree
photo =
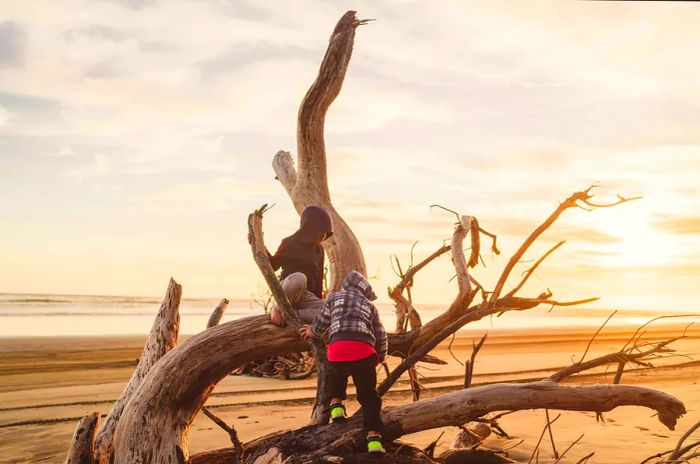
[150, 422]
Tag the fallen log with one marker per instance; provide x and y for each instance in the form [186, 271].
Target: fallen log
[453, 409]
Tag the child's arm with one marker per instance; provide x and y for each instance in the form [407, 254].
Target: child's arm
[322, 321]
[381, 340]
[278, 259]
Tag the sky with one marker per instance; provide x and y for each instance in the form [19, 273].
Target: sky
[137, 135]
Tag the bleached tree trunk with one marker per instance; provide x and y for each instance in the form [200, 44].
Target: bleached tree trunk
[82, 446]
[309, 184]
[162, 338]
[154, 426]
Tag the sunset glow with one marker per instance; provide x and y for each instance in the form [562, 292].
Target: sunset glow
[136, 136]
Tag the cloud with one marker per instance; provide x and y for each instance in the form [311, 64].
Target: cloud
[135, 4]
[62, 152]
[584, 234]
[103, 70]
[242, 9]
[5, 116]
[12, 40]
[243, 54]
[680, 225]
[100, 32]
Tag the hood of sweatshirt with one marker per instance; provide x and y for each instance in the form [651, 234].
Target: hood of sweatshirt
[315, 222]
[358, 283]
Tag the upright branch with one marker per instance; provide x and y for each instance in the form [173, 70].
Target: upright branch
[405, 311]
[320, 414]
[218, 313]
[162, 339]
[261, 258]
[311, 145]
[465, 295]
[309, 185]
[82, 446]
[460, 263]
[547, 425]
[469, 365]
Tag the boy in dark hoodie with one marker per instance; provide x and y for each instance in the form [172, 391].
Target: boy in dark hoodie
[301, 258]
[358, 342]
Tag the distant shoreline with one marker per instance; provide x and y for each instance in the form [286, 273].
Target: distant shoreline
[611, 331]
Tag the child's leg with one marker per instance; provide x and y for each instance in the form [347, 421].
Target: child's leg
[337, 389]
[294, 286]
[365, 377]
[309, 306]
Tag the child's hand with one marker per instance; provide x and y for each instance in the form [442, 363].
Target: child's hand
[306, 332]
[276, 317]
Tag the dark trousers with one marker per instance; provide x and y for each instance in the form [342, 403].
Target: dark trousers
[364, 376]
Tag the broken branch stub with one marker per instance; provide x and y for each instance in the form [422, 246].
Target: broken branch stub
[82, 446]
[218, 313]
[162, 339]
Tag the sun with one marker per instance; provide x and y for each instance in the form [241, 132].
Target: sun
[638, 243]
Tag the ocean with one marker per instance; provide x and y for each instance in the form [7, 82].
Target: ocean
[29, 315]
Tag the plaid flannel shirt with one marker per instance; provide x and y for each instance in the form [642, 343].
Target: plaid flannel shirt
[350, 315]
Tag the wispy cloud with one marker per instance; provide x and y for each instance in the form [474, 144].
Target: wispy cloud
[5, 116]
[12, 44]
[680, 225]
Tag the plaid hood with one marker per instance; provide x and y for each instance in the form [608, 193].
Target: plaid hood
[350, 315]
[356, 282]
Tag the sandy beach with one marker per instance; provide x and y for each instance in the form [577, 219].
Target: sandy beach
[48, 383]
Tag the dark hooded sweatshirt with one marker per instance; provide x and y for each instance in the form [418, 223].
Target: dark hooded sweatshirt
[301, 252]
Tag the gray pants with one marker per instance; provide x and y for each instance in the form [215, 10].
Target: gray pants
[308, 304]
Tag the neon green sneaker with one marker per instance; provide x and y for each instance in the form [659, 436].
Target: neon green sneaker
[374, 444]
[337, 412]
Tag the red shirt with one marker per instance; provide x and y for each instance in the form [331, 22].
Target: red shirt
[349, 350]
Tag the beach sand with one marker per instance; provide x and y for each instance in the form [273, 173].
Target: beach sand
[46, 384]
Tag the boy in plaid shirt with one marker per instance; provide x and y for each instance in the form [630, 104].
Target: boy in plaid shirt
[358, 342]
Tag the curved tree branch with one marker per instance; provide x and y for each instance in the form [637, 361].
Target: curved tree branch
[163, 338]
[309, 185]
[154, 427]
